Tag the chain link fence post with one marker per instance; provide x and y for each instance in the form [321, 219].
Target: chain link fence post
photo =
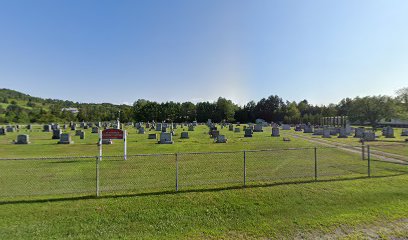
[97, 176]
[315, 163]
[177, 184]
[362, 150]
[369, 161]
[244, 168]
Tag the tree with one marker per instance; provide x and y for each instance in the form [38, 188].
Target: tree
[187, 111]
[225, 110]
[343, 108]
[372, 109]
[293, 113]
[402, 97]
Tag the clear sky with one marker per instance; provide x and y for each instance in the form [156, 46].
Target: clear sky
[195, 50]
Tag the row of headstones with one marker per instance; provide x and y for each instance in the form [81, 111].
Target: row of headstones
[64, 138]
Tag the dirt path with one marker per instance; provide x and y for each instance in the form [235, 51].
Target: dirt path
[384, 156]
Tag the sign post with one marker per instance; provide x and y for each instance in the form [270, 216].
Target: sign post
[100, 145]
[113, 134]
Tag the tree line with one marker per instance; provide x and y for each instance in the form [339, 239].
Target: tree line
[363, 110]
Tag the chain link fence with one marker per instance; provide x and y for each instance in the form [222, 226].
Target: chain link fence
[147, 173]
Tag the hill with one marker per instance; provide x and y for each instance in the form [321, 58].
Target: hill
[17, 107]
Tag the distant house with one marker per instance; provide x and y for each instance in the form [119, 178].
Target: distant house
[72, 110]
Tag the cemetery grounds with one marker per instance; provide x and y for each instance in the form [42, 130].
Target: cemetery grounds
[246, 188]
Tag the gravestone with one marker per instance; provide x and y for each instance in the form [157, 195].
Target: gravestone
[190, 128]
[184, 135]
[275, 132]
[358, 132]
[248, 132]
[73, 127]
[166, 138]
[56, 134]
[65, 138]
[141, 130]
[237, 130]
[107, 141]
[368, 136]
[2, 131]
[82, 135]
[158, 127]
[298, 128]
[318, 132]
[221, 139]
[349, 130]
[164, 129]
[23, 139]
[285, 127]
[334, 131]
[388, 132]
[78, 132]
[95, 130]
[174, 125]
[258, 128]
[29, 127]
[64, 126]
[326, 133]
[214, 133]
[10, 129]
[152, 136]
[231, 127]
[308, 129]
[46, 128]
[404, 132]
[343, 133]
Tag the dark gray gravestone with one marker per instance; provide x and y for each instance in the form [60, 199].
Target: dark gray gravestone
[166, 138]
[248, 132]
[23, 139]
[65, 139]
[56, 134]
[275, 132]
[220, 139]
[184, 135]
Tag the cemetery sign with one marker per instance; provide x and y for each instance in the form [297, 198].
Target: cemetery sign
[112, 134]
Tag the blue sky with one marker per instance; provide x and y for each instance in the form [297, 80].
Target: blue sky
[195, 50]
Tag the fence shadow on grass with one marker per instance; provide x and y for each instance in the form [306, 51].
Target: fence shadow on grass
[213, 189]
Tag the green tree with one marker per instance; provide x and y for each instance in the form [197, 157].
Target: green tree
[372, 109]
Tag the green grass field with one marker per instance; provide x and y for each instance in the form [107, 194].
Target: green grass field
[54, 198]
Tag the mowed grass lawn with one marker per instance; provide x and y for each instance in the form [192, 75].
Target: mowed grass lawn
[43, 146]
[53, 198]
[281, 211]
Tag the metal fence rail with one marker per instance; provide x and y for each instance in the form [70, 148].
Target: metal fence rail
[143, 173]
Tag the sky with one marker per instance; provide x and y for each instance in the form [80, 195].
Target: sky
[198, 50]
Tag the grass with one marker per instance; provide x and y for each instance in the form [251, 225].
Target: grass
[53, 198]
[281, 211]
[42, 145]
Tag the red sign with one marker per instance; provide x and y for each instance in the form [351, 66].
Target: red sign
[112, 134]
